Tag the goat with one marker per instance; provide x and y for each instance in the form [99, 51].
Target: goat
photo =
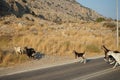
[81, 55]
[29, 52]
[108, 58]
[18, 50]
[116, 57]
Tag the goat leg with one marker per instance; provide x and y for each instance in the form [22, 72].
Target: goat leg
[115, 65]
[112, 62]
[85, 61]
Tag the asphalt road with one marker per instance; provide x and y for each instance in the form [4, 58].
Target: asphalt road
[95, 69]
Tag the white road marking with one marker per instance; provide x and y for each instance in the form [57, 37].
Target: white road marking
[92, 75]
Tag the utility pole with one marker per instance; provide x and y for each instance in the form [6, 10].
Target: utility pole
[117, 24]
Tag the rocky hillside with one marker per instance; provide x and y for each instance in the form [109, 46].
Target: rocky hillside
[53, 27]
[51, 10]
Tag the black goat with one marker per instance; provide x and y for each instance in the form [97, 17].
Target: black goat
[29, 52]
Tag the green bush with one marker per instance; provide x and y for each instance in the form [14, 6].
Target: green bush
[100, 19]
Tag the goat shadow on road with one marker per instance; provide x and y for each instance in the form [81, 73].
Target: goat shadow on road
[39, 55]
[90, 60]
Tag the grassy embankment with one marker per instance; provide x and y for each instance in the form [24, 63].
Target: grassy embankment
[56, 39]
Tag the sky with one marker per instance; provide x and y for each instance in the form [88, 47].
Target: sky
[106, 8]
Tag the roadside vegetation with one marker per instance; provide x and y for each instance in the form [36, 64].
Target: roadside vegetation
[54, 39]
[100, 19]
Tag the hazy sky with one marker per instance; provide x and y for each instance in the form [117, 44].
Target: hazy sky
[104, 7]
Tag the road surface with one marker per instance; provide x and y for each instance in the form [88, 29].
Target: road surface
[94, 69]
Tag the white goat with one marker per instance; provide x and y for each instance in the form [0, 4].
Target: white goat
[18, 50]
[116, 56]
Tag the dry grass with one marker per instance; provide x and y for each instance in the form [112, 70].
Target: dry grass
[59, 39]
[11, 59]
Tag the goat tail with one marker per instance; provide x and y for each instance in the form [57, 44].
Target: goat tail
[84, 52]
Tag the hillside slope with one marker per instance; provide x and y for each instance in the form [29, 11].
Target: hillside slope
[52, 10]
[53, 27]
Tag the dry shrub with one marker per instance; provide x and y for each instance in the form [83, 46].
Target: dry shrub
[79, 37]
[110, 25]
[12, 59]
[1, 58]
[7, 59]
[93, 48]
